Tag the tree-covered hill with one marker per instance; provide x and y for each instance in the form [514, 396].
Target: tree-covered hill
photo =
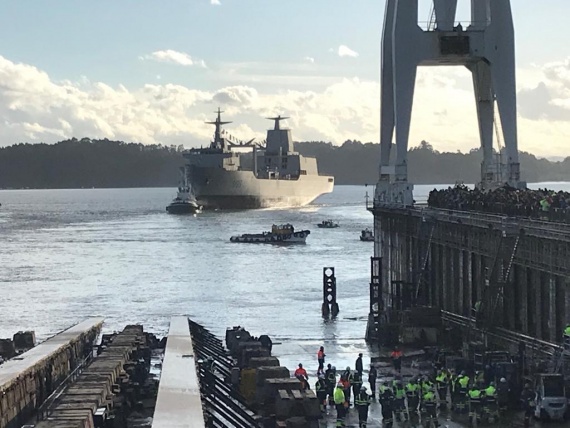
[104, 163]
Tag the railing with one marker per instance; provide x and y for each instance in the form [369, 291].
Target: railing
[43, 410]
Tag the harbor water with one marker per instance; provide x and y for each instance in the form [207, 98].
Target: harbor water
[116, 253]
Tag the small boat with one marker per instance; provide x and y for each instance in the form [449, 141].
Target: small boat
[367, 235]
[185, 201]
[279, 234]
[327, 224]
[182, 205]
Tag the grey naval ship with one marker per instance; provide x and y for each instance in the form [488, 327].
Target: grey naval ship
[231, 175]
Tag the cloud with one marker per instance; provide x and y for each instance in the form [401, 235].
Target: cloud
[309, 59]
[346, 51]
[173, 57]
[215, 2]
[34, 108]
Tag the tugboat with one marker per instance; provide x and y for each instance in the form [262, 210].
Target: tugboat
[327, 224]
[280, 234]
[185, 202]
[367, 235]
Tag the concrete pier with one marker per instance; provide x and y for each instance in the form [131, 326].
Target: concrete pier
[28, 379]
[517, 268]
[178, 403]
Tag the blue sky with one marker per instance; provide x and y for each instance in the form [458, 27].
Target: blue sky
[260, 56]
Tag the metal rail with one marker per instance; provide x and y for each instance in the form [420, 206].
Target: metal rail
[44, 408]
[548, 349]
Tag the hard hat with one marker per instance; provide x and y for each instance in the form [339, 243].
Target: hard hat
[503, 380]
[339, 384]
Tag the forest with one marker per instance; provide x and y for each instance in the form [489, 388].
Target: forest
[87, 163]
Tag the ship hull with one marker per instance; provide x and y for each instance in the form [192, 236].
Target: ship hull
[223, 189]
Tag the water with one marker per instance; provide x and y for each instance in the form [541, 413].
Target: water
[69, 254]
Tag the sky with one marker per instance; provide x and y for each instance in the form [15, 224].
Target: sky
[154, 71]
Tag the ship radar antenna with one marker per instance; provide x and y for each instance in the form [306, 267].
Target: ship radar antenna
[277, 120]
[218, 122]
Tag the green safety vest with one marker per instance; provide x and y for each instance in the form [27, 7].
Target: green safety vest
[412, 387]
[442, 378]
[490, 391]
[464, 381]
[399, 393]
[338, 395]
[427, 386]
[474, 394]
[567, 331]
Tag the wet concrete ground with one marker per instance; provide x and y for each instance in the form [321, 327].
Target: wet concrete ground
[343, 353]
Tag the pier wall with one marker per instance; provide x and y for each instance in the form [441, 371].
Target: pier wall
[28, 379]
[519, 269]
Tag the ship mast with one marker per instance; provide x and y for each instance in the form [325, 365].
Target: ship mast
[277, 120]
[218, 140]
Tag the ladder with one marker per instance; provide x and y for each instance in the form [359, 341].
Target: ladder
[424, 261]
[505, 277]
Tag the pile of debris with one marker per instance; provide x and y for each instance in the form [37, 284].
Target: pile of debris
[267, 386]
[20, 343]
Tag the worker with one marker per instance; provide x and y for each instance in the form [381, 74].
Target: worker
[321, 391]
[566, 337]
[301, 374]
[427, 385]
[362, 402]
[463, 389]
[412, 394]
[346, 379]
[339, 403]
[429, 407]
[528, 398]
[442, 383]
[321, 359]
[330, 378]
[490, 409]
[475, 396]
[396, 356]
[399, 400]
[372, 376]
[503, 392]
[386, 399]
[356, 383]
[358, 364]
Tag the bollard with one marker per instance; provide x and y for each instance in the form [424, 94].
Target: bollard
[329, 306]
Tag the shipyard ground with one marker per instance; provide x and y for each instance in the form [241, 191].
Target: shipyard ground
[343, 353]
[112, 381]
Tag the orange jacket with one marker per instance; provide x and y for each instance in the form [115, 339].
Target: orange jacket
[301, 372]
[320, 355]
[396, 355]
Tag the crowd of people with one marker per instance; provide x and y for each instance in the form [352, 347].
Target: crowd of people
[475, 394]
[506, 200]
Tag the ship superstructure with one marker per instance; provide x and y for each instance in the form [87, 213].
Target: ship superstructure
[238, 175]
